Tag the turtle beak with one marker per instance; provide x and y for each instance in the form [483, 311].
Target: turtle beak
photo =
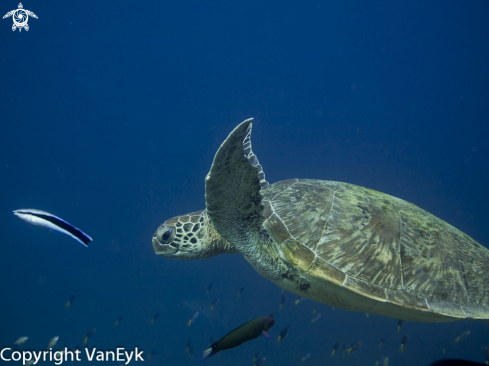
[166, 250]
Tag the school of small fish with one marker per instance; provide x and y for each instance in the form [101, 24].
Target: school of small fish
[243, 333]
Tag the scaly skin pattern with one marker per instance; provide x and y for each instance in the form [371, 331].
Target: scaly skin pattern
[359, 249]
[195, 237]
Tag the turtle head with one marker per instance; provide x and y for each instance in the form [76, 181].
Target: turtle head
[189, 236]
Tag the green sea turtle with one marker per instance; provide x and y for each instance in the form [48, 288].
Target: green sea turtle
[340, 244]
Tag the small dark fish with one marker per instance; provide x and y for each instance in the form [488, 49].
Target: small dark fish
[214, 303]
[399, 325]
[190, 352]
[193, 317]
[403, 343]
[209, 286]
[69, 302]
[299, 300]
[244, 333]
[260, 361]
[52, 342]
[240, 292]
[50, 221]
[462, 336]
[282, 334]
[306, 357]
[282, 302]
[189, 345]
[151, 353]
[379, 360]
[355, 347]
[455, 362]
[335, 348]
[153, 319]
[316, 318]
[118, 320]
[382, 342]
[20, 341]
[255, 357]
[89, 335]
[271, 315]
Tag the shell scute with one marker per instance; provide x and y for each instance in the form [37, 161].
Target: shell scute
[277, 229]
[429, 258]
[298, 256]
[362, 238]
[472, 258]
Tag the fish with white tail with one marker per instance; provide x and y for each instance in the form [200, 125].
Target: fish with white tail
[50, 221]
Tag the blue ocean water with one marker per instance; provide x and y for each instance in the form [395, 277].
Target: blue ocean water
[111, 113]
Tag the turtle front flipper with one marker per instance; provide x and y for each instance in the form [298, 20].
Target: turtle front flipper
[232, 188]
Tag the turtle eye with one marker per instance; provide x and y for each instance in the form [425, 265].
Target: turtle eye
[165, 237]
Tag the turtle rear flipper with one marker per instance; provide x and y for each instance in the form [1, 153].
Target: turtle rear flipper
[232, 188]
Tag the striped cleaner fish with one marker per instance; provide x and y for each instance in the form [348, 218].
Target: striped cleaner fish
[47, 220]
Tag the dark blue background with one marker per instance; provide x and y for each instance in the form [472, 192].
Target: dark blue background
[111, 113]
